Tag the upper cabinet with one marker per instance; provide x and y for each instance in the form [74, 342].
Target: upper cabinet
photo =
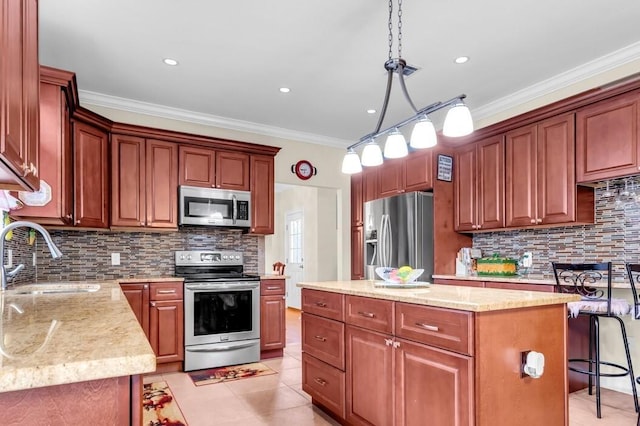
[19, 95]
[540, 173]
[262, 194]
[479, 185]
[411, 173]
[144, 182]
[369, 183]
[213, 169]
[607, 138]
[357, 208]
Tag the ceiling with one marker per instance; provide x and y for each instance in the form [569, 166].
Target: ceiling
[234, 56]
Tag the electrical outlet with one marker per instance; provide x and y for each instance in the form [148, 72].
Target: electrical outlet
[527, 259]
[9, 258]
[115, 259]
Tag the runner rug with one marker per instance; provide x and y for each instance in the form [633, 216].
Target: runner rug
[160, 407]
[226, 374]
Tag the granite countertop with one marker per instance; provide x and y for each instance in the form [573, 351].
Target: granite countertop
[53, 339]
[531, 279]
[149, 280]
[472, 299]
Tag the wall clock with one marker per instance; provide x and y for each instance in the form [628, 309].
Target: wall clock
[303, 169]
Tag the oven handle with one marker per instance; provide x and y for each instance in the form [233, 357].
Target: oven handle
[221, 287]
[235, 208]
[222, 348]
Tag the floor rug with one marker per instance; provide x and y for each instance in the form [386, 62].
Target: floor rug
[159, 407]
[226, 374]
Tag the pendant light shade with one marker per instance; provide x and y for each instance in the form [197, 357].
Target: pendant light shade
[351, 163]
[371, 154]
[396, 146]
[458, 121]
[423, 134]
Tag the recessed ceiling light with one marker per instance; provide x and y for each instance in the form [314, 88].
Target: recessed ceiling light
[285, 89]
[371, 111]
[461, 59]
[170, 61]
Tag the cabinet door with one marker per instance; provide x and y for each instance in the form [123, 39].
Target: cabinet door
[137, 295]
[128, 186]
[370, 183]
[272, 320]
[197, 166]
[391, 177]
[31, 89]
[520, 168]
[357, 208]
[232, 171]
[465, 188]
[357, 252]
[447, 376]
[262, 193]
[57, 172]
[162, 184]
[91, 176]
[166, 330]
[490, 177]
[418, 171]
[556, 170]
[370, 378]
[607, 135]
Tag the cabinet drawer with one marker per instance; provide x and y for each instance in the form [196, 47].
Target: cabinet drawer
[372, 314]
[166, 291]
[269, 287]
[323, 303]
[324, 339]
[324, 383]
[444, 328]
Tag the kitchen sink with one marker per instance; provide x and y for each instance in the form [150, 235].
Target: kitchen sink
[56, 288]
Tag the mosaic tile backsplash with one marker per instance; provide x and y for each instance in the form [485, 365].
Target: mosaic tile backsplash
[614, 237]
[87, 254]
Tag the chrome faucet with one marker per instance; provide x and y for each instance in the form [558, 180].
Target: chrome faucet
[55, 252]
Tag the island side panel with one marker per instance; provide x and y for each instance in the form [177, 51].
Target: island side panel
[502, 395]
[96, 402]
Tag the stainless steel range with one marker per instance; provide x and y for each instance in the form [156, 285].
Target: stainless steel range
[221, 309]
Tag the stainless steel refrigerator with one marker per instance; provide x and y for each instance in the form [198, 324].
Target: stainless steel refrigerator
[399, 231]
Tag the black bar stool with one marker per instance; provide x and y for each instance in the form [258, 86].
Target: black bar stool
[596, 303]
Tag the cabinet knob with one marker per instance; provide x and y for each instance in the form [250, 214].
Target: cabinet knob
[141, 223]
[145, 286]
[533, 221]
[388, 342]
[153, 304]
[538, 220]
[69, 217]
[78, 222]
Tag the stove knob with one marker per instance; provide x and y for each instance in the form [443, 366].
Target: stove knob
[189, 257]
[237, 257]
[182, 257]
[224, 257]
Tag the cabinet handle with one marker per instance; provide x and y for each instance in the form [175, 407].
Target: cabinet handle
[78, 222]
[321, 304]
[320, 381]
[273, 288]
[320, 338]
[388, 342]
[367, 314]
[538, 220]
[533, 221]
[427, 326]
[478, 226]
[153, 304]
[166, 291]
[34, 170]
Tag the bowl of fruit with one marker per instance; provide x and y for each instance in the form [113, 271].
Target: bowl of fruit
[402, 275]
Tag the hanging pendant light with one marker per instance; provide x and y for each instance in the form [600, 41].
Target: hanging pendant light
[371, 154]
[458, 121]
[423, 134]
[351, 163]
[396, 145]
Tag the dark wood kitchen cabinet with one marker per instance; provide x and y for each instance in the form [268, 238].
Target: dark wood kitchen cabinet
[357, 252]
[412, 173]
[213, 169]
[272, 318]
[262, 194]
[357, 200]
[144, 182]
[608, 139]
[369, 183]
[479, 185]
[19, 100]
[159, 307]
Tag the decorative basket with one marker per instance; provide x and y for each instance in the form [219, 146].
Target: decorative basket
[496, 266]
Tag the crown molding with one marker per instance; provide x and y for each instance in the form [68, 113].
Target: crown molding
[130, 105]
[560, 81]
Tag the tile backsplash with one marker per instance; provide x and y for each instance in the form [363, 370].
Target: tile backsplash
[614, 237]
[87, 254]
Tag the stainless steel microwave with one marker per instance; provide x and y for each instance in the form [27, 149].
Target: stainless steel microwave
[214, 207]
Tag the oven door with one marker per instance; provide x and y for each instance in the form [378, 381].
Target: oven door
[221, 312]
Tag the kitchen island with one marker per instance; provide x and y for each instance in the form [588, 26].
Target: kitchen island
[72, 354]
[438, 354]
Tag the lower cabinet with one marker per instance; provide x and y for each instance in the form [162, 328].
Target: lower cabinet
[159, 307]
[272, 318]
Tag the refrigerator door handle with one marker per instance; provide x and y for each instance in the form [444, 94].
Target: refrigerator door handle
[389, 243]
[381, 250]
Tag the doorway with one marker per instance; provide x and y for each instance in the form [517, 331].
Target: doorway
[294, 249]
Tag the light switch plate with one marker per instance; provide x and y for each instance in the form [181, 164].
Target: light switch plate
[115, 259]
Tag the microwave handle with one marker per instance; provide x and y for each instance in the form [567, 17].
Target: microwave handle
[235, 208]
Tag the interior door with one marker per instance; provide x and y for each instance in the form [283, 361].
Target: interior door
[294, 228]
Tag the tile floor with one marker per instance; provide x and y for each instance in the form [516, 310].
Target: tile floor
[278, 399]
